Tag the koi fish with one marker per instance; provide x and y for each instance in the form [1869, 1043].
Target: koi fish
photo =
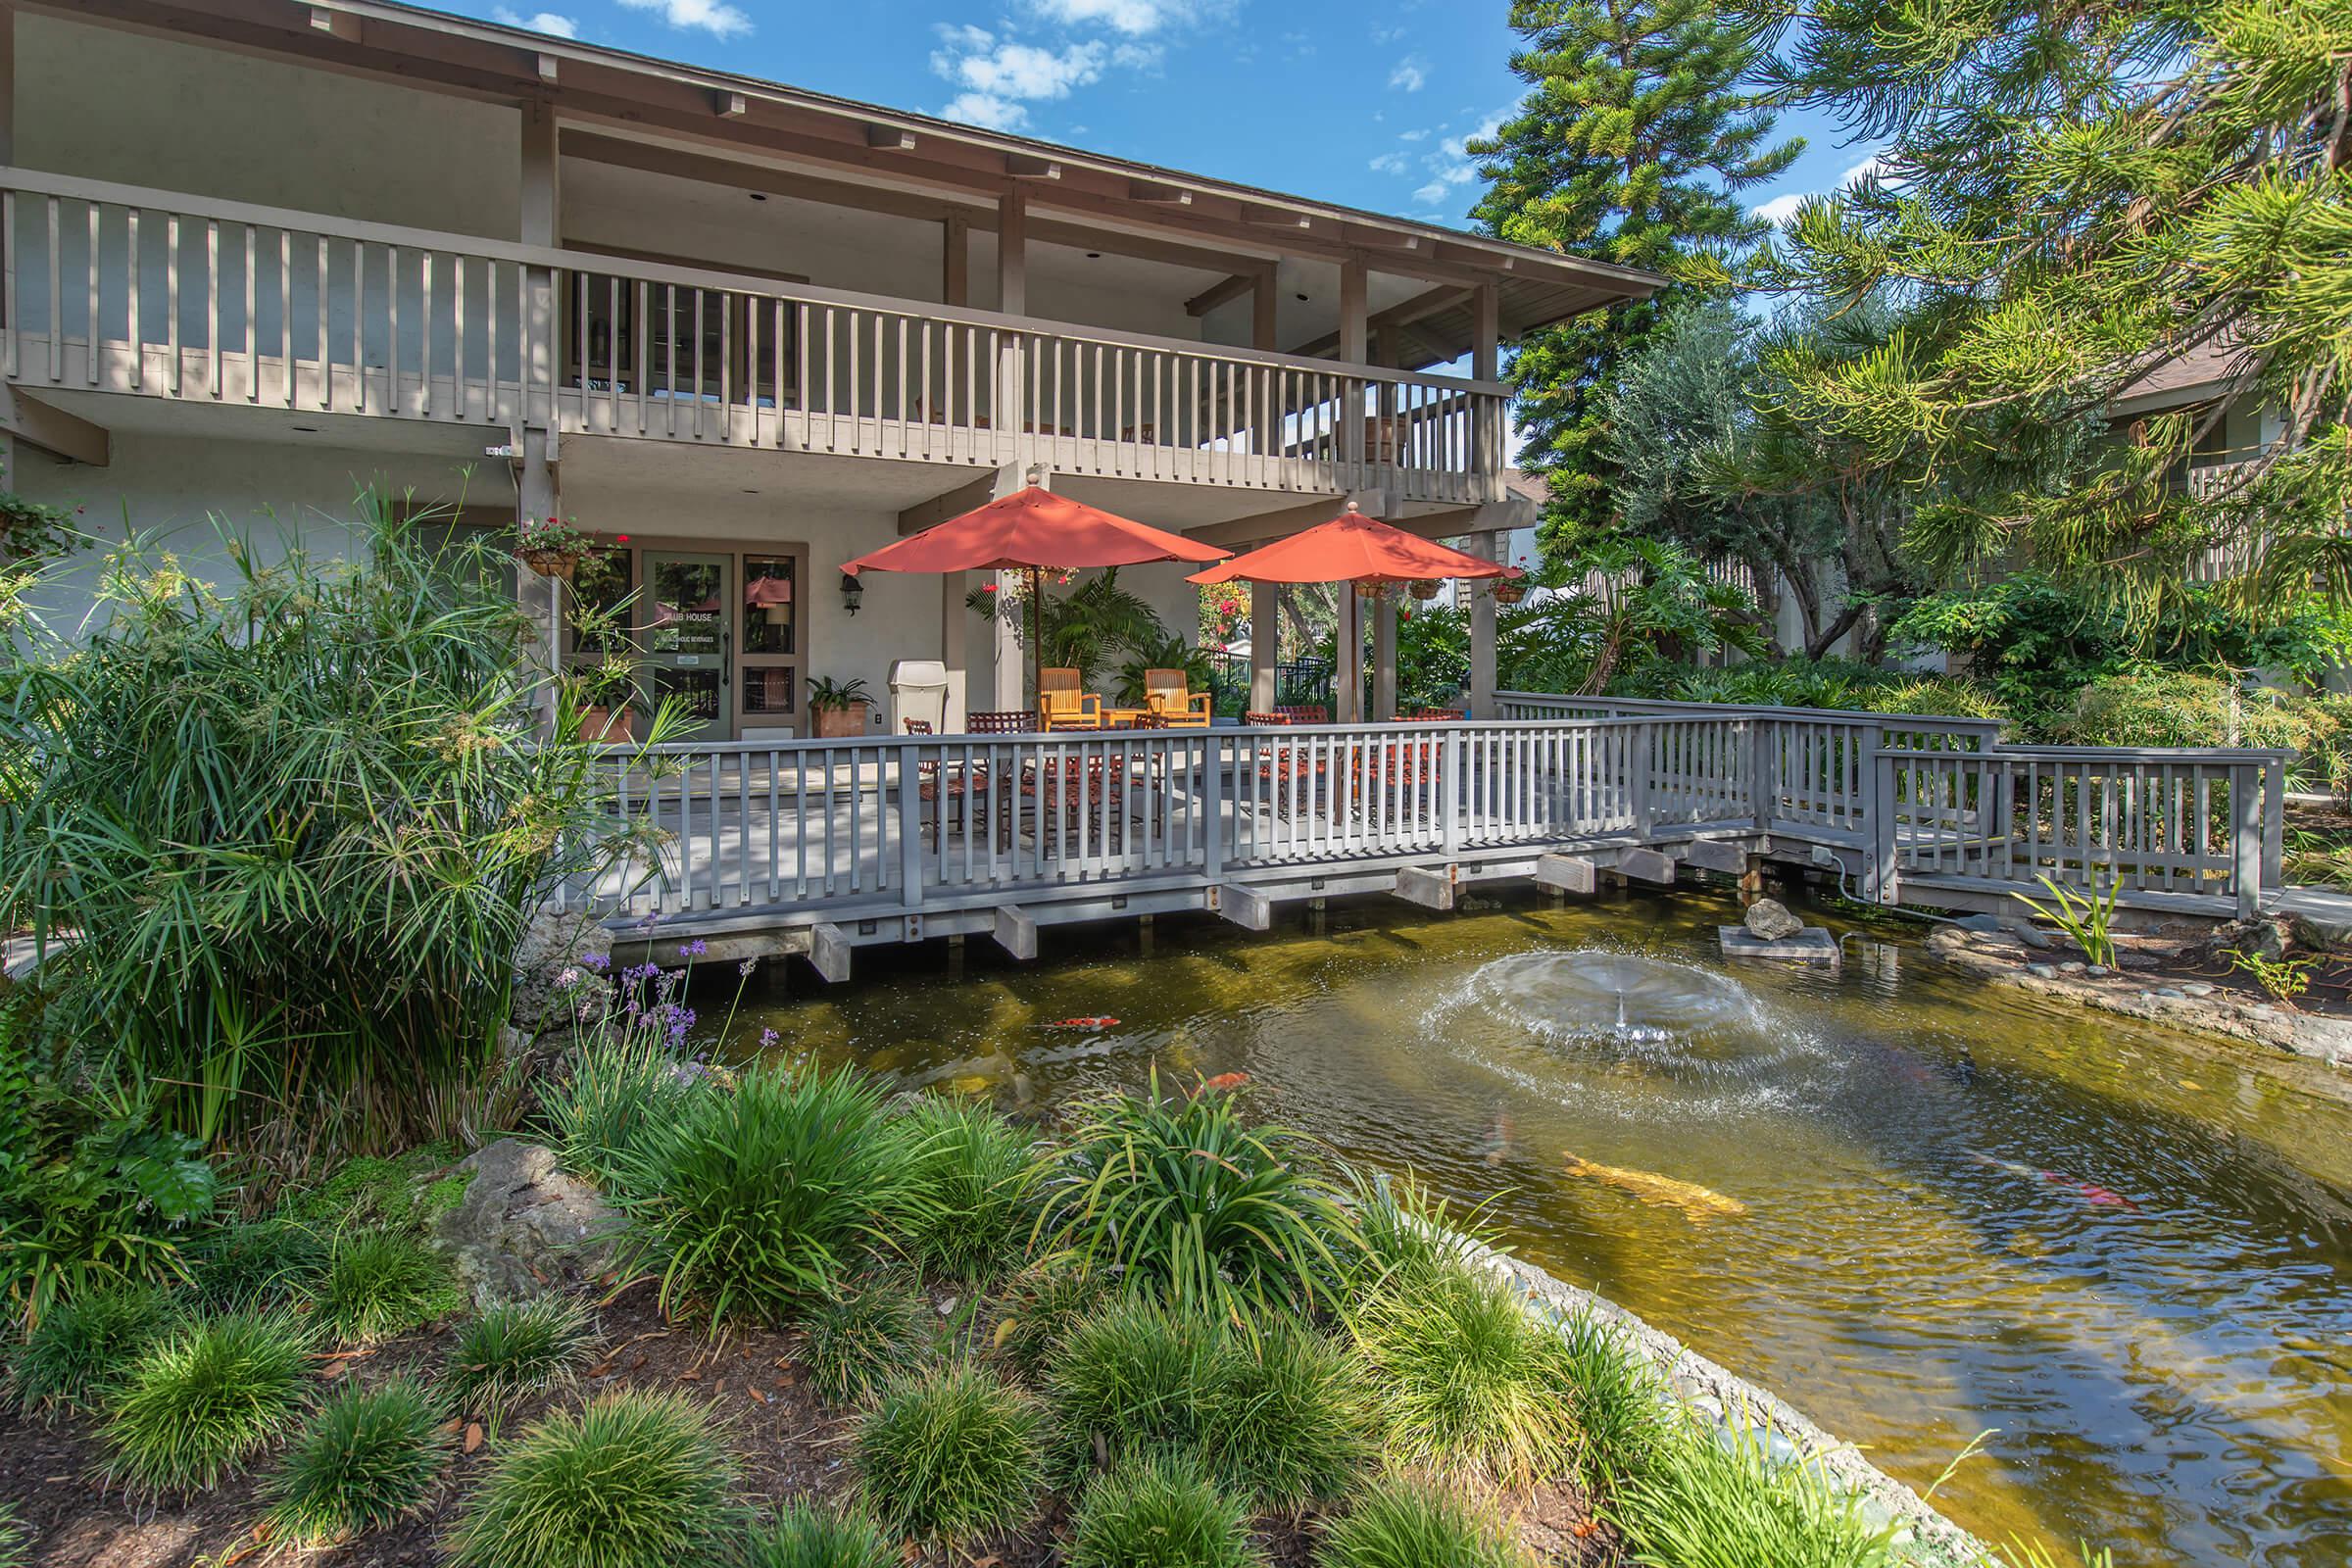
[1496, 1147]
[2091, 1193]
[1090, 1024]
[1225, 1080]
[1697, 1204]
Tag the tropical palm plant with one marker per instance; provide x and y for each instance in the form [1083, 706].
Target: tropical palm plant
[1084, 629]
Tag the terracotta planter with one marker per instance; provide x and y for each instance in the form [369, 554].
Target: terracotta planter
[611, 727]
[1509, 590]
[551, 563]
[841, 724]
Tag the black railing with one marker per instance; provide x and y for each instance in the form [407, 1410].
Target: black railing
[1298, 683]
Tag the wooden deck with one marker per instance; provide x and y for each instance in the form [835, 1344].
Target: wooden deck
[787, 847]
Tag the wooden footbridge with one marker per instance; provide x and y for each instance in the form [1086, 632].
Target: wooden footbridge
[819, 847]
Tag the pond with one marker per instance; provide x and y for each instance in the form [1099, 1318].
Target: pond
[1917, 1208]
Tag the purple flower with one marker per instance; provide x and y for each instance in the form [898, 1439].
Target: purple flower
[769, 1038]
[697, 948]
[649, 921]
[598, 962]
[745, 968]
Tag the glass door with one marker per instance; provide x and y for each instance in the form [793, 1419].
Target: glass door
[687, 623]
[770, 664]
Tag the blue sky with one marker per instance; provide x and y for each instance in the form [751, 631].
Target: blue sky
[1365, 102]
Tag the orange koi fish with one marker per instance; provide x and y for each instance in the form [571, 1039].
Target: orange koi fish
[1084, 1023]
[1226, 1080]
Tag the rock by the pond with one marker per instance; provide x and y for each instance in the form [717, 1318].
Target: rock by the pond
[1770, 919]
[554, 942]
[2169, 991]
[2042, 971]
[523, 1222]
[2029, 933]
[2196, 988]
[2074, 966]
[2098, 971]
[1978, 922]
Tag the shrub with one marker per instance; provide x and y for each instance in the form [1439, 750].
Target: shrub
[1717, 1500]
[634, 1480]
[1176, 1191]
[807, 1536]
[2174, 707]
[1405, 1227]
[367, 1457]
[1041, 1302]
[1465, 1377]
[83, 1348]
[618, 1085]
[1622, 1404]
[1160, 1512]
[383, 1283]
[16, 1538]
[973, 1170]
[757, 1203]
[1280, 1414]
[261, 1263]
[511, 1349]
[203, 1401]
[950, 1454]
[1400, 1524]
[854, 1342]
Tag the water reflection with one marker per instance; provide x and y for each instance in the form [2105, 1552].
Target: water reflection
[1919, 1250]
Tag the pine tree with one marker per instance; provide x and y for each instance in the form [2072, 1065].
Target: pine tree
[1632, 145]
[2071, 198]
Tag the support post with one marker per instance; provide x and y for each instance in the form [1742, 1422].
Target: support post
[1265, 336]
[537, 489]
[1347, 661]
[1384, 658]
[1880, 880]
[1265, 639]
[955, 260]
[955, 653]
[1486, 365]
[1013, 253]
[2247, 811]
[8, 96]
[1012, 683]
[1355, 348]
[1482, 631]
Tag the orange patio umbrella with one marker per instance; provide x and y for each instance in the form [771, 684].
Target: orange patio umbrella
[1033, 531]
[1353, 547]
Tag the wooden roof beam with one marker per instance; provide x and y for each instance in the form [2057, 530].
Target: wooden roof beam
[1029, 166]
[1159, 191]
[1233, 288]
[890, 138]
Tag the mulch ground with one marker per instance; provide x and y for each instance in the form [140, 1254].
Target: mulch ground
[788, 1445]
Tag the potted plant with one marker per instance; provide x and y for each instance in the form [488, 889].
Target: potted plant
[608, 692]
[550, 546]
[839, 707]
[1426, 588]
[1509, 590]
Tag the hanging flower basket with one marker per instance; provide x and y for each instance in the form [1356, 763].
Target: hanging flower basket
[1509, 590]
[551, 563]
[1426, 589]
[1371, 590]
[550, 545]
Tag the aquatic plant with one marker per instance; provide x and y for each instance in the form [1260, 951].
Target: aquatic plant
[1400, 1523]
[760, 1201]
[949, 1453]
[975, 1173]
[16, 1538]
[805, 1535]
[1720, 1499]
[854, 1342]
[82, 1348]
[1177, 1191]
[512, 1349]
[2084, 917]
[1464, 1376]
[366, 1457]
[1161, 1511]
[634, 1480]
[203, 1401]
[383, 1283]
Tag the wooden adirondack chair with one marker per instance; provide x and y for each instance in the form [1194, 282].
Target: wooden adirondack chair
[1061, 705]
[1169, 694]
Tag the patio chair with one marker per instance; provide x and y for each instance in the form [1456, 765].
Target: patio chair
[1435, 715]
[1303, 714]
[1062, 706]
[1256, 720]
[964, 788]
[1003, 722]
[1169, 696]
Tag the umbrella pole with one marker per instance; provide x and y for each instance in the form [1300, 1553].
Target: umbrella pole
[1037, 645]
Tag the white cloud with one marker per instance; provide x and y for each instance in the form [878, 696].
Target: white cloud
[1391, 164]
[1862, 171]
[710, 15]
[1432, 193]
[990, 68]
[547, 21]
[1412, 73]
[1413, 136]
[1133, 17]
[1780, 209]
[985, 110]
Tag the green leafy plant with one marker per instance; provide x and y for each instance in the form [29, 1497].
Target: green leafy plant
[552, 536]
[203, 1401]
[1161, 1511]
[855, 1341]
[79, 1350]
[16, 1538]
[974, 1172]
[1465, 1377]
[1041, 1302]
[805, 1535]
[2283, 980]
[950, 1454]
[618, 1085]
[259, 1263]
[2316, 858]
[1404, 1524]
[383, 1283]
[2084, 917]
[829, 695]
[1175, 1190]
[1084, 629]
[1403, 1226]
[1622, 1404]
[634, 1480]
[1163, 653]
[1717, 1500]
[760, 1201]
[367, 1457]
[1280, 1414]
[512, 1348]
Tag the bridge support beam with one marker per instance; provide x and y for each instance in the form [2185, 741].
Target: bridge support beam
[1648, 865]
[1714, 855]
[1570, 873]
[1430, 886]
[1016, 931]
[829, 952]
[1245, 907]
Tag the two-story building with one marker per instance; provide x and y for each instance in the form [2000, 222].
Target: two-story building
[259, 252]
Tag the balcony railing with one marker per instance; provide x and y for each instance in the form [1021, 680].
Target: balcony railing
[122, 289]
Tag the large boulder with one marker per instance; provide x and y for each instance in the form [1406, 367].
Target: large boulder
[554, 944]
[525, 1223]
[1770, 920]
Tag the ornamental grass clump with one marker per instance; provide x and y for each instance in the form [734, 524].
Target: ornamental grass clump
[950, 1454]
[1279, 1415]
[1162, 1511]
[260, 1264]
[80, 1348]
[634, 1480]
[618, 1085]
[512, 1348]
[854, 1342]
[1400, 1523]
[203, 1401]
[804, 1536]
[1718, 1499]
[1039, 1304]
[975, 1172]
[365, 1458]
[1623, 1405]
[383, 1283]
[756, 1203]
[1464, 1377]
[1174, 1190]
